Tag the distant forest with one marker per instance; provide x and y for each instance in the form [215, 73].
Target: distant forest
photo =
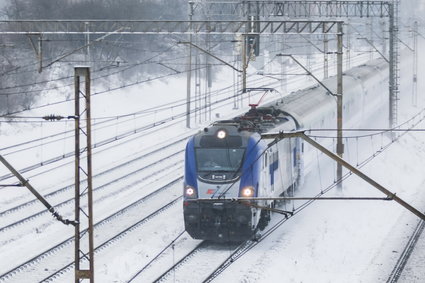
[20, 79]
[121, 57]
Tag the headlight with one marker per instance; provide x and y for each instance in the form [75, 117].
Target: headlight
[247, 192]
[221, 134]
[190, 192]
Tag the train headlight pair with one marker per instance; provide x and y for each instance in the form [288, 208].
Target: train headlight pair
[247, 192]
[190, 192]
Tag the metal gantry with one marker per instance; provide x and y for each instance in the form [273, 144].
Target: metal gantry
[139, 27]
[295, 8]
[84, 246]
[312, 9]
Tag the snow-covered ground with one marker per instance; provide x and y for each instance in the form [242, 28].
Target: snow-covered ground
[330, 241]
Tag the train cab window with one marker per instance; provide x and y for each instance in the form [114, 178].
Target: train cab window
[219, 159]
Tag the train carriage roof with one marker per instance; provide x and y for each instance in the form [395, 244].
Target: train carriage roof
[308, 105]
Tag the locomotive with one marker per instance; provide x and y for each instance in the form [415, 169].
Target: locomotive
[229, 160]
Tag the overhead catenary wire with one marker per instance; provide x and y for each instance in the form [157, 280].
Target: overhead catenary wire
[97, 41]
[195, 110]
[111, 140]
[136, 131]
[121, 87]
[101, 92]
[114, 139]
[125, 68]
[70, 77]
[58, 102]
[377, 132]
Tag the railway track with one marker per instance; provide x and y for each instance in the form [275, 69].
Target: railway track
[406, 253]
[57, 248]
[185, 262]
[113, 199]
[204, 256]
[207, 256]
[97, 145]
[123, 166]
[60, 253]
[63, 197]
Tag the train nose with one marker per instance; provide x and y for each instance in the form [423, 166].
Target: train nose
[191, 218]
[242, 219]
[218, 206]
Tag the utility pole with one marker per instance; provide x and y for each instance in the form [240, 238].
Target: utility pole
[84, 254]
[393, 58]
[340, 144]
[415, 64]
[198, 91]
[371, 41]
[38, 50]
[40, 53]
[189, 68]
[208, 79]
[87, 24]
[283, 68]
[348, 50]
[244, 67]
[325, 56]
[384, 38]
[338, 95]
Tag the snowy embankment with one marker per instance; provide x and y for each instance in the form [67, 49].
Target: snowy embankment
[329, 241]
[350, 241]
[47, 178]
[344, 241]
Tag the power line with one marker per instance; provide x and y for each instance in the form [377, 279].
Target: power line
[378, 131]
[69, 77]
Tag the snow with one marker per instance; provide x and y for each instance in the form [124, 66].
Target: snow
[415, 268]
[330, 241]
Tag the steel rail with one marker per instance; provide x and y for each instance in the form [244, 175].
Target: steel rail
[198, 248]
[108, 242]
[239, 253]
[171, 244]
[30, 262]
[406, 253]
[105, 172]
[97, 189]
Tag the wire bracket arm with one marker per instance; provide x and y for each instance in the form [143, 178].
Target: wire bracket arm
[25, 182]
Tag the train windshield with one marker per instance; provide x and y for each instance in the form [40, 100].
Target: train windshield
[219, 159]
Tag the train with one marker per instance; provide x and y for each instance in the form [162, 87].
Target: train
[228, 160]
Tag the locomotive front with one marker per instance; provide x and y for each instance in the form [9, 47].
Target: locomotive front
[221, 163]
